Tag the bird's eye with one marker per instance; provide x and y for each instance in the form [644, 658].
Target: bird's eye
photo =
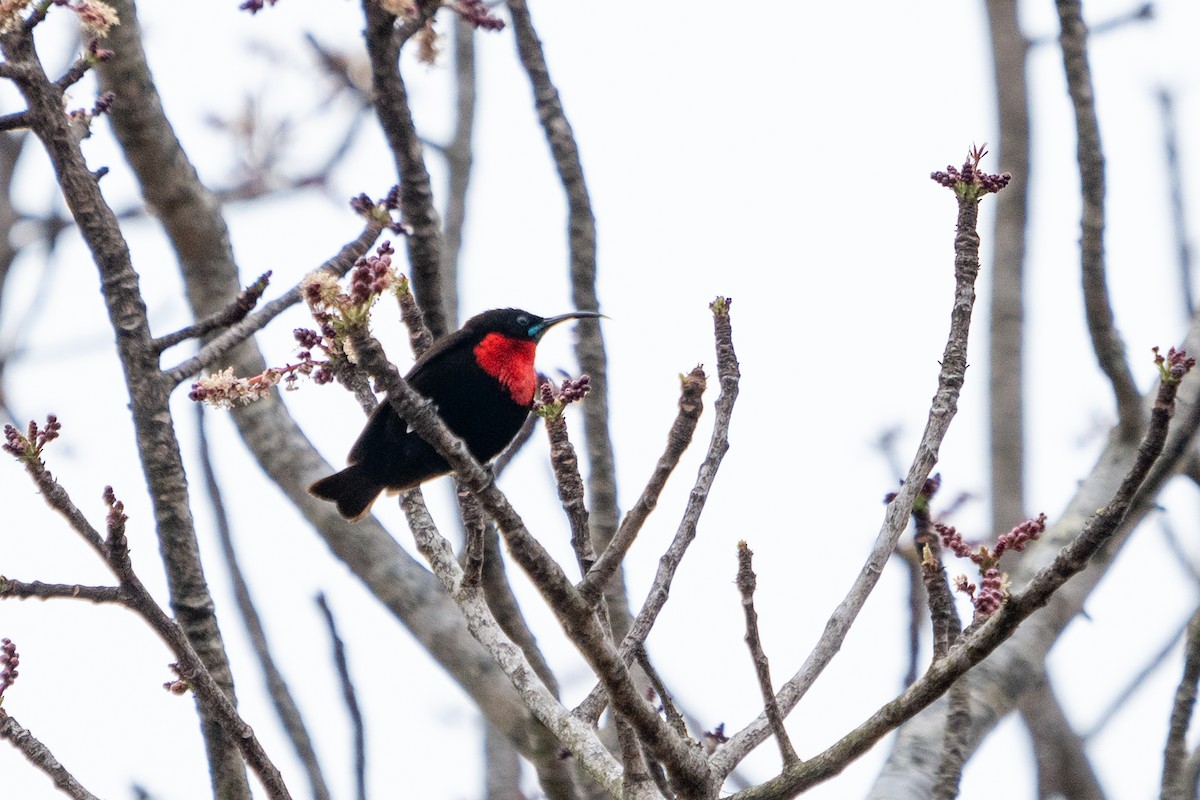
[523, 321]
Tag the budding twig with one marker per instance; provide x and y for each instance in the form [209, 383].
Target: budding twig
[746, 583]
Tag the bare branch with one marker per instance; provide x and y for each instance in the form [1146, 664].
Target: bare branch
[1006, 377]
[941, 412]
[1174, 176]
[579, 619]
[690, 406]
[728, 375]
[18, 121]
[236, 311]
[161, 461]
[976, 646]
[277, 688]
[390, 98]
[350, 697]
[573, 733]
[1106, 341]
[1175, 753]
[570, 490]
[40, 756]
[581, 240]
[1063, 768]
[746, 583]
[220, 346]
[48, 591]
[458, 153]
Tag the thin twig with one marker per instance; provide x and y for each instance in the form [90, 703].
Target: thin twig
[999, 626]
[728, 374]
[277, 688]
[747, 581]
[10, 587]
[569, 483]
[942, 410]
[579, 619]
[691, 404]
[1175, 753]
[660, 688]
[1175, 191]
[390, 98]
[350, 697]
[574, 734]
[1135, 683]
[236, 311]
[40, 756]
[220, 346]
[1106, 341]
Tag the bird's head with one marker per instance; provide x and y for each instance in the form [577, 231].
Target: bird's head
[513, 323]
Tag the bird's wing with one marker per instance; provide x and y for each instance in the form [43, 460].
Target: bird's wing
[434, 359]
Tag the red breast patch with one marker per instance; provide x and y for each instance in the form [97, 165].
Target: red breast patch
[510, 361]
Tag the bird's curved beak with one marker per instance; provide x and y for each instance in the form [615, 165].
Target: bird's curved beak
[549, 322]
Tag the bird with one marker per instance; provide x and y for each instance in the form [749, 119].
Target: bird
[481, 379]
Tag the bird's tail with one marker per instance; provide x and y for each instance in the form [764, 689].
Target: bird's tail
[352, 489]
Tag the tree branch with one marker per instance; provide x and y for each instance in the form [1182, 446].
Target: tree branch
[1106, 341]
[941, 413]
[728, 374]
[589, 347]
[578, 618]
[277, 689]
[219, 347]
[10, 587]
[691, 404]
[40, 756]
[1175, 754]
[746, 583]
[390, 98]
[976, 646]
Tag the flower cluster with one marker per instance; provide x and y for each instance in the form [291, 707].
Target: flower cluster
[1016, 539]
[1174, 365]
[714, 739]
[478, 14]
[334, 311]
[28, 447]
[116, 510]
[551, 401]
[83, 117]
[993, 588]
[9, 661]
[255, 6]
[225, 390]
[95, 55]
[993, 585]
[372, 275]
[970, 182]
[10, 14]
[96, 16]
[382, 211]
[180, 685]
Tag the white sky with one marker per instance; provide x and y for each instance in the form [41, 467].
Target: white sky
[779, 156]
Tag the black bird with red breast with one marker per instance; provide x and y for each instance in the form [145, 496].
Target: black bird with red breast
[482, 380]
